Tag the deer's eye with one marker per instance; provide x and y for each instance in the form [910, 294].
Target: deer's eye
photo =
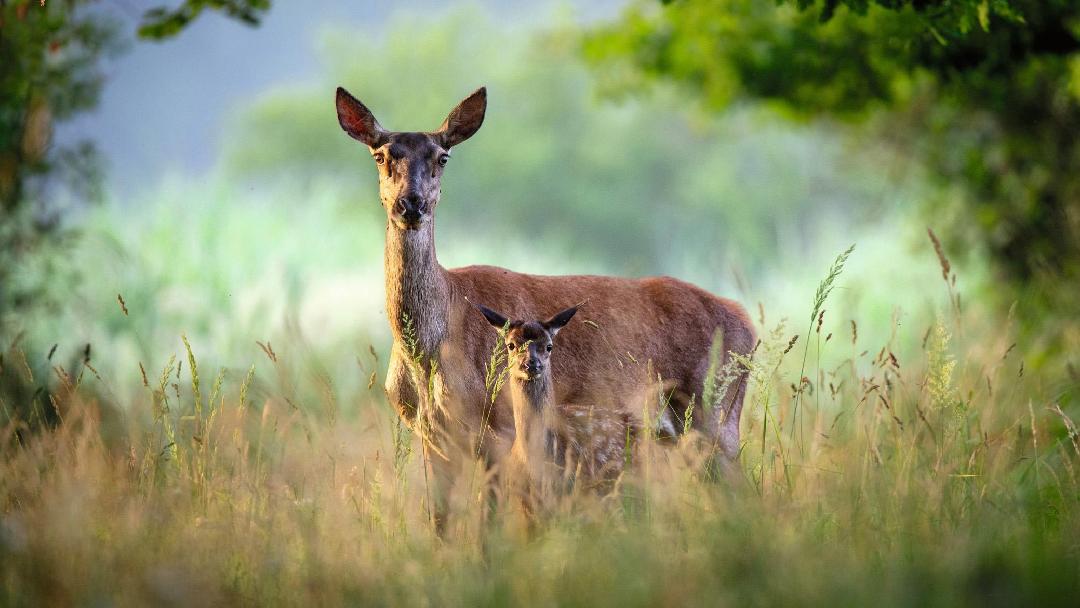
[512, 346]
[443, 159]
[380, 158]
[549, 348]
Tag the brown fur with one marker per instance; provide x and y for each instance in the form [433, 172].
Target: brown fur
[604, 361]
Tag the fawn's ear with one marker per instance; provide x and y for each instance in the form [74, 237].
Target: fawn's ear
[554, 324]
[464, 120]
[493, 317]
[358, 121]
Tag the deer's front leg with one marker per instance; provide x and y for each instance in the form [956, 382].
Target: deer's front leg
[407, 399]
[400, 390]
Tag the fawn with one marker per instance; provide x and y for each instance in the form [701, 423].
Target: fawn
[578, 442]
[529, 346]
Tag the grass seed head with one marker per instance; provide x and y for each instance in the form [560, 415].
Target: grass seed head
[940, 251]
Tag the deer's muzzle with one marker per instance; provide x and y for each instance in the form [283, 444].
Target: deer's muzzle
[410, 211]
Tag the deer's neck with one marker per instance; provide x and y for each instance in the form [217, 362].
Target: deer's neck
[532, 402]
[417, 289]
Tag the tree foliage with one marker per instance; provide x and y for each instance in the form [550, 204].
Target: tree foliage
[162, 22]
[52, 54]
[952, 18]
[986, 93]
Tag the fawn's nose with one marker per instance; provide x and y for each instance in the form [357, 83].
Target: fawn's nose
[531, 367]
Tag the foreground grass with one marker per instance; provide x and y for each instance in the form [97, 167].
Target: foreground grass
[943, 477]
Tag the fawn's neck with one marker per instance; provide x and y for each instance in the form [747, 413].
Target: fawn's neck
[532, 401]
[417, 288]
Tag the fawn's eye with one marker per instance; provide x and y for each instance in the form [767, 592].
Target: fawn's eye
[443, 159]
[380, 158]
[549, 347]
[512, 346]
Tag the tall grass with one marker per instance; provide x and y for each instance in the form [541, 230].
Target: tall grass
[945, 477]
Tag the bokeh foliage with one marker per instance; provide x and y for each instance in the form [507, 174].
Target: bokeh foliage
[51, 59]
[641, 187]
[986, 95]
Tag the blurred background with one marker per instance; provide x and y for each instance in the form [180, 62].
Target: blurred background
[187, 157]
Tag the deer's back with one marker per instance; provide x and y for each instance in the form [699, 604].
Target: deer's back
[622, 325]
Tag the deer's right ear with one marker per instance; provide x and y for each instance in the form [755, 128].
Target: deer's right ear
[464, 120]
[493, 317]
[358, 121]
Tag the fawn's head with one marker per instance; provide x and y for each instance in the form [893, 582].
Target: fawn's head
[528, 343]
[410, 163]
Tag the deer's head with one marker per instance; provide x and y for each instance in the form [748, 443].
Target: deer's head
[410, 163]
[529, 344]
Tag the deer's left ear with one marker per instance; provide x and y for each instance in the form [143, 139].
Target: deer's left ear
[464, 120]
[554, 324]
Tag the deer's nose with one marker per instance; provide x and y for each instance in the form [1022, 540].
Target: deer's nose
[532, 367]
[411, 207]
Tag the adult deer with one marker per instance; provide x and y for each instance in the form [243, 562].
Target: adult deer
[634, 330]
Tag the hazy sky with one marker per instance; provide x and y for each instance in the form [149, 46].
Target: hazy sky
[164, 104]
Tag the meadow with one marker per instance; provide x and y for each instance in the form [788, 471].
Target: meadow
[944, 477]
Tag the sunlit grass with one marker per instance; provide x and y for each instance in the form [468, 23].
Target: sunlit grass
[946, 476]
